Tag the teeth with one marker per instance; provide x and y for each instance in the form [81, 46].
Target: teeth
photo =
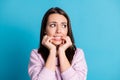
[57, 37]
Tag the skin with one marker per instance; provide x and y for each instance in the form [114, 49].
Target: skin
[57, 41]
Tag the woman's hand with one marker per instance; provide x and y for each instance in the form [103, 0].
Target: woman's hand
[64, 62]
[50, 62]
[47, 42]
[66, 43]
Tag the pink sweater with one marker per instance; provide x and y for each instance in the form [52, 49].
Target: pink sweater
[77, 71]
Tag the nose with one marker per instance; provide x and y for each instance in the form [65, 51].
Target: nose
[58, 30]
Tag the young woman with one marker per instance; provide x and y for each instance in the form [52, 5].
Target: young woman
[57, 57]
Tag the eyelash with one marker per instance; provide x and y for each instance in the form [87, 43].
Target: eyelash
[54, 25]
[64, 26]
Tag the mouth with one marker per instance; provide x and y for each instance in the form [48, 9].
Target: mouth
[57, 38]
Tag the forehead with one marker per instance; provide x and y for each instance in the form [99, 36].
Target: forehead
[57, 18]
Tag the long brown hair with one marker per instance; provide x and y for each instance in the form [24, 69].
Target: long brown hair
[42, 49]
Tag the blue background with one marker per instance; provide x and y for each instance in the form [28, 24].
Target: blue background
[96, 27]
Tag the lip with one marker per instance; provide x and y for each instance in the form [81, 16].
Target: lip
[57, 38]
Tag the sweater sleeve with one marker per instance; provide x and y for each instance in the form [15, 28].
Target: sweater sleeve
[36, 68]
[78, 69]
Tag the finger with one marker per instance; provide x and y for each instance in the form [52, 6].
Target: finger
[44, 38]
[69, 40]
[49, 39]
[64, 39]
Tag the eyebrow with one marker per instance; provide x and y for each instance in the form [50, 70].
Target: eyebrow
[64, 22]
[52, 22]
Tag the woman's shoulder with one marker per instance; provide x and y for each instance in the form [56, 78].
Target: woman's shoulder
[79, 52]
[79, 55]
[35, 50]
[35, 54]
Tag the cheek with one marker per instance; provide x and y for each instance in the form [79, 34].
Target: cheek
[65, 33]
[50, 32]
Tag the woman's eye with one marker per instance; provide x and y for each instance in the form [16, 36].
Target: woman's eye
[64, 26]
[52, 25]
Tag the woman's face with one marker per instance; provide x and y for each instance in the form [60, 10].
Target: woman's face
[57, 28]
